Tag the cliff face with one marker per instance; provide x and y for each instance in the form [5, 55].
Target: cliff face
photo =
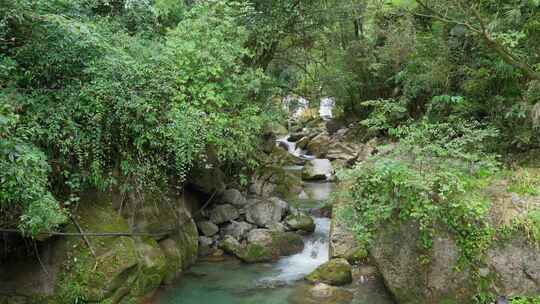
[125, 269]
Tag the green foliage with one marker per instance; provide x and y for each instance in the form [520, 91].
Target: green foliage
[105, 97]
[525, 300]
[433, 179]
[24, 186]
[385, 115]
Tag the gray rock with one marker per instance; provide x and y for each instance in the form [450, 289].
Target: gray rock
[514, 266]
[261, 237]
[318, 146]
[317, 169]
[300, 221]
[279, 227]
[343, 151]
[280, 203]
[230, 245]
[233, 197]
[264, 245]
[264, 213]
[238, 230]
[342, 239]
[207, 228]
[205, 245]
[223, 213]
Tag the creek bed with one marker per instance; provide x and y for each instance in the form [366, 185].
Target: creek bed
[232, 282]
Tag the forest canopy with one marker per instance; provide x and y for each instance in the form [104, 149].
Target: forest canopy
[132, 94]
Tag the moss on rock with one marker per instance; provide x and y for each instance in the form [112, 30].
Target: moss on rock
[335, 272]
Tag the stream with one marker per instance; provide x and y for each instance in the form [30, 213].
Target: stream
[281, 282]
[232, 282]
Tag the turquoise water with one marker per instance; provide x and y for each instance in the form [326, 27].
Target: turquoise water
[231, 282]
[226, 283]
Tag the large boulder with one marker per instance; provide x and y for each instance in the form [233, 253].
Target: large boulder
[124, 270]
[265, 212]
[264, 245]
[318, 146]
[512, 268]
[343, 151]
[300, 221]
[223, 213]
[233, 197]
[335, 272]
[317, 169]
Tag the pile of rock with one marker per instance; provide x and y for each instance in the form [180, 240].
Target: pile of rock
[254, 230]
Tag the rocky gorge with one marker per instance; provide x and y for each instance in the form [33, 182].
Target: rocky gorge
[282, 239]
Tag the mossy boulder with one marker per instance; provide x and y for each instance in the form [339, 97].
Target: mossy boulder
[264, 245]
[300, 221]
[276, 181]
[255, 253]
[125, 269]
[318, 146]
[336, 272]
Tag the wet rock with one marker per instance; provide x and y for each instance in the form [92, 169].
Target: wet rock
[233, 197]
[287, 243]
[223, 213]
[317, 169]
[265, 246]
[300, 221]
[335, 272]
[320, 294]
[238, 230]
[264, 213]
[255, 253]
[205, 245]
[260, 236]
[230, 245]
[207, 228]
[318, 146]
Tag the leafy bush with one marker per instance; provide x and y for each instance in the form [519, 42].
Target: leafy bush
[431, 178]
[108, 102]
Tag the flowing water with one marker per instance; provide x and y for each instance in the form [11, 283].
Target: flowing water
[231, 282]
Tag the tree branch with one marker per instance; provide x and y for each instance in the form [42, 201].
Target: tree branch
[491, 43]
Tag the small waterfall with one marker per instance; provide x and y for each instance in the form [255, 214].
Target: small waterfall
[315, 253]
[326, 107]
